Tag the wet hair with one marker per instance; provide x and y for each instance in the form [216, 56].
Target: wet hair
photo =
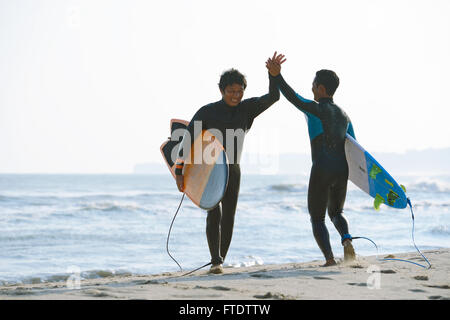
[230, 77]
[328, 79]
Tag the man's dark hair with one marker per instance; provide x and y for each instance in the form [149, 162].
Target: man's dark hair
[328, 79]
[230, 77]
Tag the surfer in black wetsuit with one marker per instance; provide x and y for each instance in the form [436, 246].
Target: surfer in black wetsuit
[233, 117]
[327, 126]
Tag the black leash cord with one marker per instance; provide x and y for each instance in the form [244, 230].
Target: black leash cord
[170, 229]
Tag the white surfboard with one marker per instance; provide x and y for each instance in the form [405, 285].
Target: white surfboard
[366, 173]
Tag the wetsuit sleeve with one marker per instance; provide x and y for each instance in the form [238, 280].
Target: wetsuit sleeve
[350, 130]
[186, 142]
[304, 105]
[262, 103]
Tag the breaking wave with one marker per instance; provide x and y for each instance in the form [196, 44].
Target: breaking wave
[428, 186]
[288, 187]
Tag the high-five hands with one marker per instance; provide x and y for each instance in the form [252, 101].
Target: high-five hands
[274, 64]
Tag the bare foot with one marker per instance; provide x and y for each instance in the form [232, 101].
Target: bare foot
[216, 269]
[349, 252]
[329, 263]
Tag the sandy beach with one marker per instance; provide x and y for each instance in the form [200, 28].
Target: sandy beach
[365, 278]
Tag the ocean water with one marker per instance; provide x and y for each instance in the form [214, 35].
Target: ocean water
[101, 225]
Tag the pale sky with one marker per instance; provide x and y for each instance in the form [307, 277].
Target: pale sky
[90, 86]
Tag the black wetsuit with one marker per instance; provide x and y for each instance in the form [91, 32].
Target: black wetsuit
[327, 126]
[220, 116]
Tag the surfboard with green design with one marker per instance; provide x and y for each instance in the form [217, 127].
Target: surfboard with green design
[366, 173]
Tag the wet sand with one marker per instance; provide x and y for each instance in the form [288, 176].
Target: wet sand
[364, 278]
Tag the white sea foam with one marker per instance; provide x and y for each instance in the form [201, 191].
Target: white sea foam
[429, 186]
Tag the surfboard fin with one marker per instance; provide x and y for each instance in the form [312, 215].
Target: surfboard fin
[378, 201]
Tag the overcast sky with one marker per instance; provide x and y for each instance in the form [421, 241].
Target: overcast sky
[90, 86]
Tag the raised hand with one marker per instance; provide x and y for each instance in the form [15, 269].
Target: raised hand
[274, 64]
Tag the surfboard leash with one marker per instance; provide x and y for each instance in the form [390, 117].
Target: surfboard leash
[170, 229]
[412, 234]
[167, 244]
[187, 273]
[414, 242]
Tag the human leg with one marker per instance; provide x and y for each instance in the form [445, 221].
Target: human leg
[220, 220]
[336, 200]
[213, 234]
[317, 205]
[229, 204]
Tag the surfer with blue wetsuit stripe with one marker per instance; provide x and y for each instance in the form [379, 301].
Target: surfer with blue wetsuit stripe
[230, 114]
[327, 126]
